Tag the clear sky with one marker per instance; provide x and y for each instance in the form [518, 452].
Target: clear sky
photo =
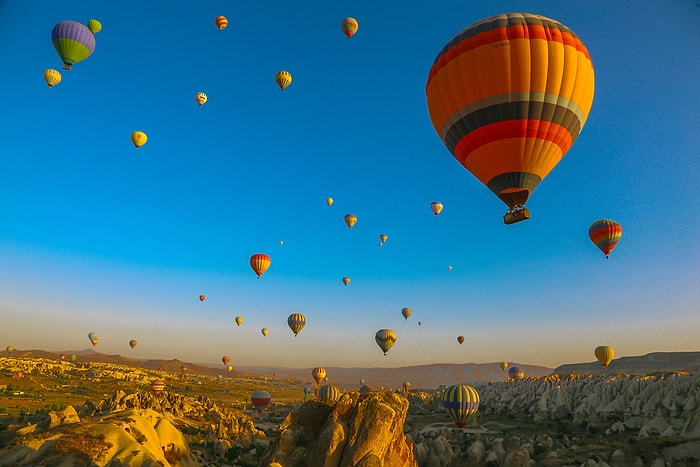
[96, 236]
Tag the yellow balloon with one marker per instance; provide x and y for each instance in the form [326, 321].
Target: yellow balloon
[201, 98]
[604, 354]
[139, 138]
[329, 201]
[283, 79]
[52, 77]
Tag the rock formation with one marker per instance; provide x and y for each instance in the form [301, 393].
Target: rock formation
[363, 430]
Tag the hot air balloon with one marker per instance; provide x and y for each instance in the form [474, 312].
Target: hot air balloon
[382, 239]
[73, 357]
[385, 339]
[259, 262]
[329, 201]
[461, 402]
[516, 373]
[73, 42]
[52, 77]
[318, 373]
[350, 220]
[138, 138]
[221, 22]
[508, 96]
[283, 79]
[436, 207]
[460, 339]
[225, 359]
[296, 322]
[10, 349]
[157, 386]
[406, 386]
[265, 331]
[605, 234]
[307, 391]
[260, 400]
[504, 366]
[346, 280]
[63, 356]
[420, 323]
[200, 98]
[202, 298]
[604, 354]
[329, 393]
[133, 343]
[349, 26]
[406, 312]
[229, 368]
[449, 268]
[94, 26]
[239, 320]
[93, 338]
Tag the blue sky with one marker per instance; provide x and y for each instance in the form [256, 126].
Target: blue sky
[97, 236]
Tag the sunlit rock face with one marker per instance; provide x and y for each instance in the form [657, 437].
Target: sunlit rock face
[140, 437]
[363, 430]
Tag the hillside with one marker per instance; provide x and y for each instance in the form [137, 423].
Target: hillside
[639, 365]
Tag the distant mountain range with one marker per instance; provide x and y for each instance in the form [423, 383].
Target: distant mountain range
[420, 377]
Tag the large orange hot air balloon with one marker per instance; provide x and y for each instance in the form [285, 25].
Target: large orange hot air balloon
[349, 26]
[259, 262]
[605, 234]
[508, 96]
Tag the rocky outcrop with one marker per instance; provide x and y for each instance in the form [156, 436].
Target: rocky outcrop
[363, 430]
[132, 437]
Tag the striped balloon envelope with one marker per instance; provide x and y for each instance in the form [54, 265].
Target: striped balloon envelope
[296, 322]
[260, 400]
[318, 373]
[385, 339]
[259, 262]
[461, 402]
[329, 393]
[508, 96]
[516, 372]
[605, 233]
[157, 386]
[73, 42]
[604, 354]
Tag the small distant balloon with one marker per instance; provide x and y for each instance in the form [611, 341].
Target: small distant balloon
[460, 339]
[93, 338]
[52, 77]
[157, 386]
[10, 349]
[202, 298]
[350, 220]
[406, 312]
[516, 372]
[239, 320]
[259, 262]
[265, 331]
[504, 366]
[229, 368]
[225, 359]
[349, 26]
[73, 357]
[385, 339]
[260, 400]
[283, 79]
[133, 343]
[329, 201]
[383, 238]
[201, 98]
[346, 280]
[605, 233]
[449, 268]
[138, 138]
[221, 22]
[318, 374]
[329, 393]
[420, 323]
[63, 356]
[436, 207]
[296, 322]
[94, 26]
